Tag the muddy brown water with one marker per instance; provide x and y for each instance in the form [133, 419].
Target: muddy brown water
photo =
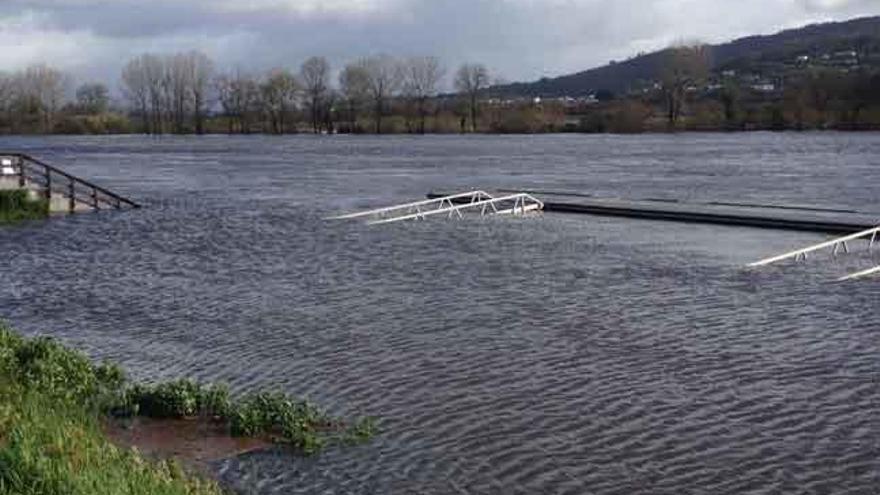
[195, 443]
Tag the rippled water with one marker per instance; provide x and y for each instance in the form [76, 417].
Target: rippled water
[552, 354]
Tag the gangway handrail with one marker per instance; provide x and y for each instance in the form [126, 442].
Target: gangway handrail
[835, 243]
[862, 274]
[44, 177]
[519, 206]
[379, 211]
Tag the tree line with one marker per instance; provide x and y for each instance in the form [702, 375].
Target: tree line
[165, 90]
[186, 93]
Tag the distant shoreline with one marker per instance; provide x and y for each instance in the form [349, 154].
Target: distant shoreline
[701, 130]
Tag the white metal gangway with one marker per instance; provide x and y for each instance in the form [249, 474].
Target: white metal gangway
[862, 274]
[836, 245]
[453, 206]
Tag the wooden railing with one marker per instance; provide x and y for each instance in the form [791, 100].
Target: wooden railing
[51, 181]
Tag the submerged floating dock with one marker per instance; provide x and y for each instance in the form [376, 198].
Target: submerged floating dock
[785, 217]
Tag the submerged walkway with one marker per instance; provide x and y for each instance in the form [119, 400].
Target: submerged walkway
[62, 191]
[801, 218]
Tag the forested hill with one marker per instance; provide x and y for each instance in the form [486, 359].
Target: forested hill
[764, 55]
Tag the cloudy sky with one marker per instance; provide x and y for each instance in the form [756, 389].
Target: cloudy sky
[517, 39]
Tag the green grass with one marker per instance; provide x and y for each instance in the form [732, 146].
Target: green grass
[52, 399]
[50, 446]
[50, 440]
[16, 206]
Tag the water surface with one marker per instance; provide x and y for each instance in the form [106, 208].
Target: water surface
[551, 354]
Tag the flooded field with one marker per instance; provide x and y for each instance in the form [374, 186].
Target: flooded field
[549, 354]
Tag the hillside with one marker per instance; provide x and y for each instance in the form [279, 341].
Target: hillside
[762, 55]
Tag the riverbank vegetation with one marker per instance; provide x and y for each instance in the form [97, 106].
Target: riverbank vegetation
[52, 401]
[690, 95]
[17, 206]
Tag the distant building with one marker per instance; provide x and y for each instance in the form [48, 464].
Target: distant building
[729, 73]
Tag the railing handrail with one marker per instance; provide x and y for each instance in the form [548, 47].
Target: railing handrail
[24, 158]
[824, 245]
[861, 274]
[519, 205]
[470, 194]
[83, 194]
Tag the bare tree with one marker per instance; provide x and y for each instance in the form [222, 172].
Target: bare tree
[200, 71]
[44, 88]
[7, 95]
[470, 80]
[329, 111]
[92, 98]
[239, 96]
[821, 89]
[249, 101]
[223, 87]
[168, 90]
[686, 66]
[177, 79]
[279, 93]
[422, 76]
[353, 86]
[315, 73]
[154, 76]
[136, 89]
[383, 77]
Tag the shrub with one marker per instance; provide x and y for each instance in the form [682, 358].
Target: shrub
[104, 123]
[177, 399]
[45, 365]
[16, 205]
[292, 422]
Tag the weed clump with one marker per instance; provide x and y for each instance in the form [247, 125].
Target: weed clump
[16, 206]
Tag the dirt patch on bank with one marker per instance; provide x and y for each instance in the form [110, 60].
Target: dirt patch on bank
[195, 443]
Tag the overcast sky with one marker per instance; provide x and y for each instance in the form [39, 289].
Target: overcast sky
[517, 39]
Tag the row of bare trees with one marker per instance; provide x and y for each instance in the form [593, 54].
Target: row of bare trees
[41, 100]
[185, 93]
[173, 93]
[32, 98]
[416, 81]
[169, 91]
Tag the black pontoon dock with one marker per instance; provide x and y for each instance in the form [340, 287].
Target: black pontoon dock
[787, 217]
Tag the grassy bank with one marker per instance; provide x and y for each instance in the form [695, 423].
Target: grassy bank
[53, 399]
[16, 206]
[53, 447]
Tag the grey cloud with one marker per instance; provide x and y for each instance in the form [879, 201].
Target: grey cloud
[840, 6]
[520, 39]
[123, 19]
